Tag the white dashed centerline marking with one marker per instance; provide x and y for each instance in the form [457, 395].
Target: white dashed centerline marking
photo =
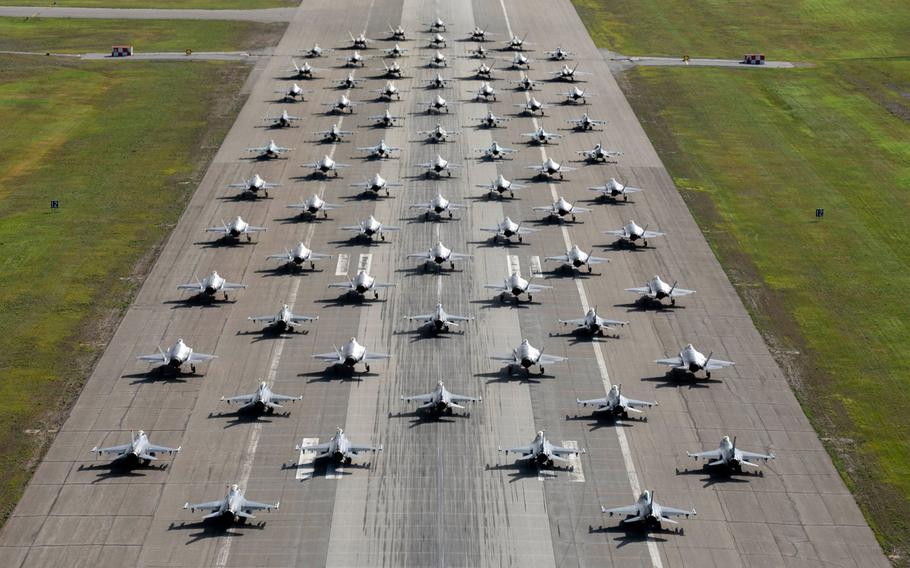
[536, 269]
[576, 474]
[514, 263]
[364, 263]
[341, 269]
[306, 460]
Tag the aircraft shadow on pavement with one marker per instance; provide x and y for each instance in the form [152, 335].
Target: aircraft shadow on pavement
[294, 219]
[377, 126]
[223, 242]
[243, 197]
[495, 302]
[121, 468]
[367, 195]
[196, 302]
[287, 269]
[649, 305]
[677, 380]
[549, 221]
[631, 534]
[424, 417]
[160, 373]
[214, 528]
[625, 245]
[601, 201]
[719, 475]
[508, 374]
[566, 271]
[357, 240]
[582, 336]
[499, 243]
[240, 417]
[350, 299]
[519, 470]
[424, 268]
[270, 333]
[321, 467]
[422, 218]
[336, 373]
[599, 420]
[428, 331]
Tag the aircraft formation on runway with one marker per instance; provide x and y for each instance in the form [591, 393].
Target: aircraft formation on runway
[540, 451]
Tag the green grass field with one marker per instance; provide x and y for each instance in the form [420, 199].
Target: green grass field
[169, 4]
[754, 153]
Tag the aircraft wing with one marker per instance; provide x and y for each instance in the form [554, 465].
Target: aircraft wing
[610, 323]
[681, 292]
[200, 357]
[233, 286]
[347, 285]
[755, 456]
[672, 362]
[460, 256]
[568, 169]
[207, 506]
[333, 356]
[357, 228]
[628, 510]
[517, 450]
[718, 364]
[419, 206]
[112, 449]
[592, 401]
[383, 285]
[631, 402]
[284, 398]
[195, 286]
[560, 451]
[462, 398]
[256, 506]
[652, 234]
[550, 359]
[558, 258]
[297, 319]
[538, 287]
[240, 399]
[597, 260]
[500, 287]
[156, 358]
[251, 229]
[644, 290]
[361, 449]
[709, 455]
[418, 398]
[616, 232]
[318, 448]
[269, 319]
[161, 449]
[460, 318]
[579, 321]
[259, 149]
[421, 318]
[223, 230]
[673, 512]
[510, 358]
[369, 356]
[426, 255]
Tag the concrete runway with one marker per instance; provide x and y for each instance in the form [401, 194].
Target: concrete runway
[440, 494]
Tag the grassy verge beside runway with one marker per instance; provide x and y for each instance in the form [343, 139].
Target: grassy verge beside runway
[754, 154]
[162, 4]
[64, 35]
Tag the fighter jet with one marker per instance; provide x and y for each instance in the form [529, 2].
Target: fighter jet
[349, 82]
[353, 60]
[730, 457]
[541, 136]
[438, 40]
[519, 61]
[361, 284]
[441, 400]
[397, 33]
[616, 404]
[334, 133]
[550, 168]
[236, 228]
[139, 450]
[648, 512]
[438, 255]
[544, 454]
[313, 205]
[490, 120]
[370, 228]
[283, 120]
[350, 354]
[293, 93]
[507, 228]
[691, 361]
[211, 285]
[437, 25]
[568, 73]
[485, 92]
[395, 51]
[304, 71]
[438, 104]
[342, 104]
[389, 91]
[380, 150]
[326, 165]
[525, 83]
[478, 52]
[176, 356]
[484, 71]
[632, 233]
[284, 320]
[269, 151]
[316, 51]
[500, 185]
[516, 43]
[598, 154]
[359, 42]
[526, 356]
[263, 400]
[479, 34]
[254, 185]
[614, 189]
[438, 134]
[437, 206]
[576, 258]
[437, 166]
[559, 54]
[376, 184]
[560, 208]
[338, 449]
[438, 60]
[386, 119]
[593, 323]
[234, 507]
[657, 289]
[393, 70]
[494, 151]
[532, 106]
[299, 255]
[440, 320]
[515, 286]
[586, 122]
[575, 94]
[438, 82]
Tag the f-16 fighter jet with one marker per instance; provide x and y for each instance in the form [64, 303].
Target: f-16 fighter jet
[342, 104]
[438, 40]
[350, 354]
[313, 205]
[525, 83]
[284, 320]
[438, 82]
[541, 136]
[614, 189]
[632, 233]
[691, 361]
[299, 255]
[437, 206]
[544, 454]
[370, 227]
[507, 228]
[593, 323]
[376, 184]
[386, 119]
[485, 92]
[439, 254]
[516, 43]
[519, 60]
[437, 25]
[269, 151]
[560, 208]
[393, 70]
[438, 134]
[526, 356]
[515, 286]
[359, 42]
[397, 33]
[615, 404]
[438, 60]
[648, 512]
[211, 285]
[494, 151]
[326, 165]
[176, 356]
[235, 229]
[490, 120]
[479, 34]
[234, 507]
[389, 91]
[338, 449]
[361, 284]
[575, 95]
[478, 52]
[438, 104]
[254, 185]
[568, 73]
[284, 120]
[598, 154]
[348, 82]
[395, 51]
[263, 400]
[440, 320]
[438, 166]
[729, 456]
[316, 51]
[381, 150]
[657, 289]
[586, 122]
[335, 133]
[576, 258]
[293, 93]
[139, 450]
[484, 71]
[441, 400]
[353, 60]
[304, 71]
[532, 106]
[500, 185]
[550, 168]
[559, 54]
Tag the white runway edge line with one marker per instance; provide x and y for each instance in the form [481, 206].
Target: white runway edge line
[598, 355]
[249, 453]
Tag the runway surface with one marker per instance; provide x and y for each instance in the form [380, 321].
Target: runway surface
[439, 494]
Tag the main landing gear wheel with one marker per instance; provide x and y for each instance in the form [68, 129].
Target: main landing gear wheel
[193, 369]
[368, 368]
